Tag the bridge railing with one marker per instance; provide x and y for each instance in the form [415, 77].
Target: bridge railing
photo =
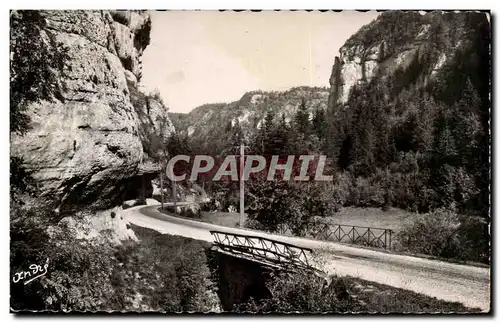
[261, 249]
[368, 236]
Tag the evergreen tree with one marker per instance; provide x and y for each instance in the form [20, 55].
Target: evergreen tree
[467, 128]
[263, 138]
[302, 119]
[319, 123]
[268, 126]
[282, 138]
[237, 137]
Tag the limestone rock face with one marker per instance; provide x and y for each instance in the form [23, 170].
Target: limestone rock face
[104, 226]
[162, 125]
[398, 41]
[84, 146]
[355, 65]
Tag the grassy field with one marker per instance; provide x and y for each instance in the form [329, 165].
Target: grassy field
[393, 219]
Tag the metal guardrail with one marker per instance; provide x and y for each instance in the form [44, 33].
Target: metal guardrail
[275, 253]
[368, 236]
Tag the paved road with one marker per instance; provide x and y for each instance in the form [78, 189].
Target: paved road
[469, 285]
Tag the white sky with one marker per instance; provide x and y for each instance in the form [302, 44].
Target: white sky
[198, 57]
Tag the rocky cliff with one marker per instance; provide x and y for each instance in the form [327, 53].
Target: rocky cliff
[88, 143]
[410, 49]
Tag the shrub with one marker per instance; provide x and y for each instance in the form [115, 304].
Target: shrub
[341, 189]
[443, 233]
[474, 237]
[433, 234]
[184, 211]
[305, 294]
[254, 224]
[370, 193]
[209, 206]
[278, 205]
[169, 272]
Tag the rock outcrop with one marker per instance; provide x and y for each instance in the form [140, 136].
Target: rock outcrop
[399, 41]
[86, 145]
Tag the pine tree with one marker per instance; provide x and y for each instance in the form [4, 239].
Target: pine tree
[268, 122]
[319, 123]
[302, 119]
[467, 128]
[282, 137]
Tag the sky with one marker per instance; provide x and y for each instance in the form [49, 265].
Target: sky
[198, 57]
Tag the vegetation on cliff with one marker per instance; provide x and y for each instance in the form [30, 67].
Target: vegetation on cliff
[34, 56]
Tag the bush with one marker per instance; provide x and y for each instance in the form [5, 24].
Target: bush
[254, 224]
[474, 236]
[443, 233]
[341, 189]
[433, 234]
[209, 206]
[278, 205]
[78, 270]
[184, 211]
[304, 294]
[132, 203]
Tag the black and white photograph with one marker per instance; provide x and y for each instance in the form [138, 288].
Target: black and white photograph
[250, 162]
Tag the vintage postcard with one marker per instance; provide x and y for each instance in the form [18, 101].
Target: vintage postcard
[311, 162]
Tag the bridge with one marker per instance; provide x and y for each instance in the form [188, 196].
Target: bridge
[271, 253]
[245, 262]
[467, 284]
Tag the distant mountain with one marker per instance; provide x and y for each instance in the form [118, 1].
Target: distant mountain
[208, 125]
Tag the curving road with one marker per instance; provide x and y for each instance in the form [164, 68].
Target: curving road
[469, 285]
